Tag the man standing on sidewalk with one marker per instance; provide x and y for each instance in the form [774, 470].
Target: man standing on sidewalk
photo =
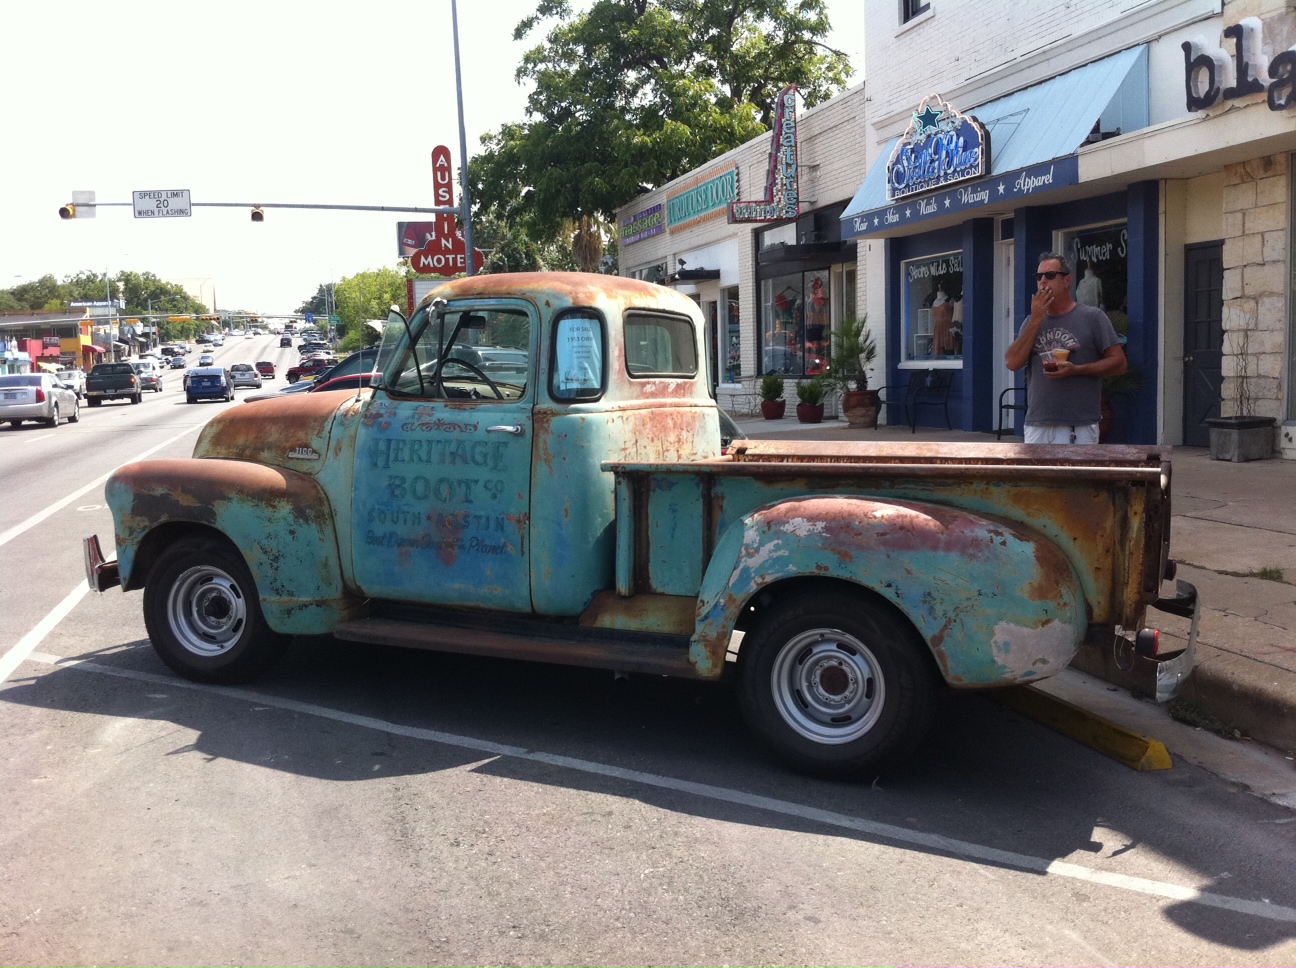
[1069, 348]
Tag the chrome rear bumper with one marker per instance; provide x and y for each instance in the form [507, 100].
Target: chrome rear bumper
[101, 575]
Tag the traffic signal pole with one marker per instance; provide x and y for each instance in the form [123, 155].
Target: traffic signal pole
[435, 210]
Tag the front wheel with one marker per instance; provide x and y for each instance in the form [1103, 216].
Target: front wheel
[76, 412]
[53, 421]
[836, 685]
[203, 615]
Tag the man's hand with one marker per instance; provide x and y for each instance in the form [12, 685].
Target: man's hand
[1063, 369]
[1040, 303]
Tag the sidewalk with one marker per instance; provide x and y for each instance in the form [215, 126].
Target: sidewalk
[1230, 521]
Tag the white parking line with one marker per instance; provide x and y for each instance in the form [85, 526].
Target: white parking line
[39, 516]
[33, 638]
[900, 835]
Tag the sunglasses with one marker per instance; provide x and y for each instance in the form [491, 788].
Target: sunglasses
[1050, 276]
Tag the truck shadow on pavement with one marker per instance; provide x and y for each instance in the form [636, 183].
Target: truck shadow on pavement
[985, 776]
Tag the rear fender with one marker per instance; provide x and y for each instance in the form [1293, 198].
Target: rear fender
[995, 603]
[279, 520]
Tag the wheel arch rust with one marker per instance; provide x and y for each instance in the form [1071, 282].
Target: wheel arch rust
[994, 602]
[279, 520]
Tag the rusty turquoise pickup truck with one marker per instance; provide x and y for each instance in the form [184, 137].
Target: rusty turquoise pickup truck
[535, 472]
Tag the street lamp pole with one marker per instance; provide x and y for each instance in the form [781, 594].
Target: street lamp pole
[470, 261]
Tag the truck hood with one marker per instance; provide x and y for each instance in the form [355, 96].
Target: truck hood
[293, 432]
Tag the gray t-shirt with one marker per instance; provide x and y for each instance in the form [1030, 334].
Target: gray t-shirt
[1086, 332]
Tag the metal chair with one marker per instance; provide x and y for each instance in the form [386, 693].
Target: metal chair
[928, 388]
[1008, 405]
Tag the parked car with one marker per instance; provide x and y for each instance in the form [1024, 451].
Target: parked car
[178, 362]
[313, 346]
[245, 375]
[352, 382]
[266, 369]
[208, 383]
[37, 396]
[206, 360]
[150, 377]
[310, 368]
[74, 377]
[285, 340]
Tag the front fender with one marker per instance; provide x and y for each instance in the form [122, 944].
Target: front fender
[279, 519]
[995, 603]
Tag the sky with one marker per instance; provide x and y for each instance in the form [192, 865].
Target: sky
[247, 102]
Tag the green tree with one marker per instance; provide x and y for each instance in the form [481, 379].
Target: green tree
[320, 303]
[365, 296]
[632, 93]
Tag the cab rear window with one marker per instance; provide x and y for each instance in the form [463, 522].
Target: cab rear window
[659, 345]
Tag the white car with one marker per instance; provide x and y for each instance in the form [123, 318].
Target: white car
[245, 375]
[37, 396]
[74, 377]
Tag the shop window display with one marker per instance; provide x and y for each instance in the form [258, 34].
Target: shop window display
[796, 324]
[933, 308]
[1100, 267]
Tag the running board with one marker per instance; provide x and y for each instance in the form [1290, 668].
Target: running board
[664, 655]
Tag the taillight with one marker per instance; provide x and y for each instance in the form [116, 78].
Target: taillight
[40, 394]
[134, 381]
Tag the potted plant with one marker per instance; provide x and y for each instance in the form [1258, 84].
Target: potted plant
[811, 393]
[853, 354]
[1242, 436]
[773, 405]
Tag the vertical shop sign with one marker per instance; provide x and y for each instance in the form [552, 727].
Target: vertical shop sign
[782, 196]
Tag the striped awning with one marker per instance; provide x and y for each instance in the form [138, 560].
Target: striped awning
[97, 349]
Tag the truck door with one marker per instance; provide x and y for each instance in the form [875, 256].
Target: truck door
[441, 505]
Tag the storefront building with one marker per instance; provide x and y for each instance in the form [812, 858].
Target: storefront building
[755, 238]
[1152, 147]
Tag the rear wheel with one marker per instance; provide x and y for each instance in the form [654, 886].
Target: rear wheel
[836, 685]
[203, 615]
[15, 423]
[138, 398]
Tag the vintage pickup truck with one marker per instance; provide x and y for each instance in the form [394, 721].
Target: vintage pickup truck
[576, 509]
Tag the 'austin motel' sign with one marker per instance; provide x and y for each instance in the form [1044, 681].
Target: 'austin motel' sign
[941, 146]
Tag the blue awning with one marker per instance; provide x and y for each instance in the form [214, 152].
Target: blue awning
[1034, 137]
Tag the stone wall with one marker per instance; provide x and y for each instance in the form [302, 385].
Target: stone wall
[1256, 220]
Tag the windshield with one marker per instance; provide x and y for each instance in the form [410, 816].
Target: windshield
[471, 353]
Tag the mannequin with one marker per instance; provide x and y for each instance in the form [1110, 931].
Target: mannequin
[942, 316]
[1089, 289]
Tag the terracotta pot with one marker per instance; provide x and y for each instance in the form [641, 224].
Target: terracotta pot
[773, 409]
[810, 412]
[860, 408]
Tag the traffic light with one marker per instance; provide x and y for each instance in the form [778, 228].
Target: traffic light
[81, 206]
[258, 215]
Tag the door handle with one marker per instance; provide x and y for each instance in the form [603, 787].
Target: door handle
[514, 429]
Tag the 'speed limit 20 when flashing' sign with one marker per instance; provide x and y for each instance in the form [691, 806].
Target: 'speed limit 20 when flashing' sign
[164, 204]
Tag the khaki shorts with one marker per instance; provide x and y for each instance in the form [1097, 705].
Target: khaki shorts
[1061, 433]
